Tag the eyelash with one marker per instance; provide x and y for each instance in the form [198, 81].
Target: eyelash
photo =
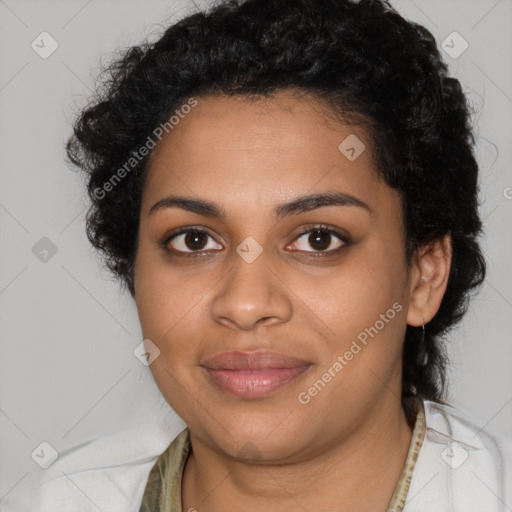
[317, 227]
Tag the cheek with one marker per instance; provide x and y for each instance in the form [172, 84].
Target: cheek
[170, 307]
[363, 304]
[165, 295]
[355, 294]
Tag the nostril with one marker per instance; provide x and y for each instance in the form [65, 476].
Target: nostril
[262, 320]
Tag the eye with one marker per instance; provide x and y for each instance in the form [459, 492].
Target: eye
[321, 238]
[189, 240]
[195, 240]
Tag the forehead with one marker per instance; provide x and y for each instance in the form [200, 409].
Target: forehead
[234, 149]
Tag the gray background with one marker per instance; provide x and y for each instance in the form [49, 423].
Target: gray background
[67, 370]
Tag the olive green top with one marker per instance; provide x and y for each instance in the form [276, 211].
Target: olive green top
[163, 488]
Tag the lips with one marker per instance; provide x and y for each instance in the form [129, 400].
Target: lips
[253, 374]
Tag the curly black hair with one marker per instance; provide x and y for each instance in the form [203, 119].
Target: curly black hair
[363, 60]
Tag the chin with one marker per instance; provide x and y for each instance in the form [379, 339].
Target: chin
[265, 434]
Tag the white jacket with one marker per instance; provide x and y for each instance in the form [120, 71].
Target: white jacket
[460, 468]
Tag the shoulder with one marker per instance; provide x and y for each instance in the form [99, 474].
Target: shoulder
[461, 466]
[110, 471]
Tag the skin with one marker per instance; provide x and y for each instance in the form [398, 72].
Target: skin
[275, 453]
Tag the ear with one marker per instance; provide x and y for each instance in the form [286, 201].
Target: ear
[428, 280]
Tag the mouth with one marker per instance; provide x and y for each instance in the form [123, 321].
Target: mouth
[253, 374]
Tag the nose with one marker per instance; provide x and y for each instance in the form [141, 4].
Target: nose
[250, 295]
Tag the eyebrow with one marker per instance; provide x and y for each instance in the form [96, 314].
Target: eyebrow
[296, 206]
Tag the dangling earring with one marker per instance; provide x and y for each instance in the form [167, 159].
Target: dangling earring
[422, 353]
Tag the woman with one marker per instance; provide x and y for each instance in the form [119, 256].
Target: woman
[289, 192]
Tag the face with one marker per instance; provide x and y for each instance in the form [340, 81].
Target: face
[279, 319]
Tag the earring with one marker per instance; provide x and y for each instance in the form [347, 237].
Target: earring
[422, 352]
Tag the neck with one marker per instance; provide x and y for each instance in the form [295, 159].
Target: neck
[359, 472]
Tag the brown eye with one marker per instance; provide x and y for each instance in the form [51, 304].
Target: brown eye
[191, 240]
[320, 240]
[195, 240]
